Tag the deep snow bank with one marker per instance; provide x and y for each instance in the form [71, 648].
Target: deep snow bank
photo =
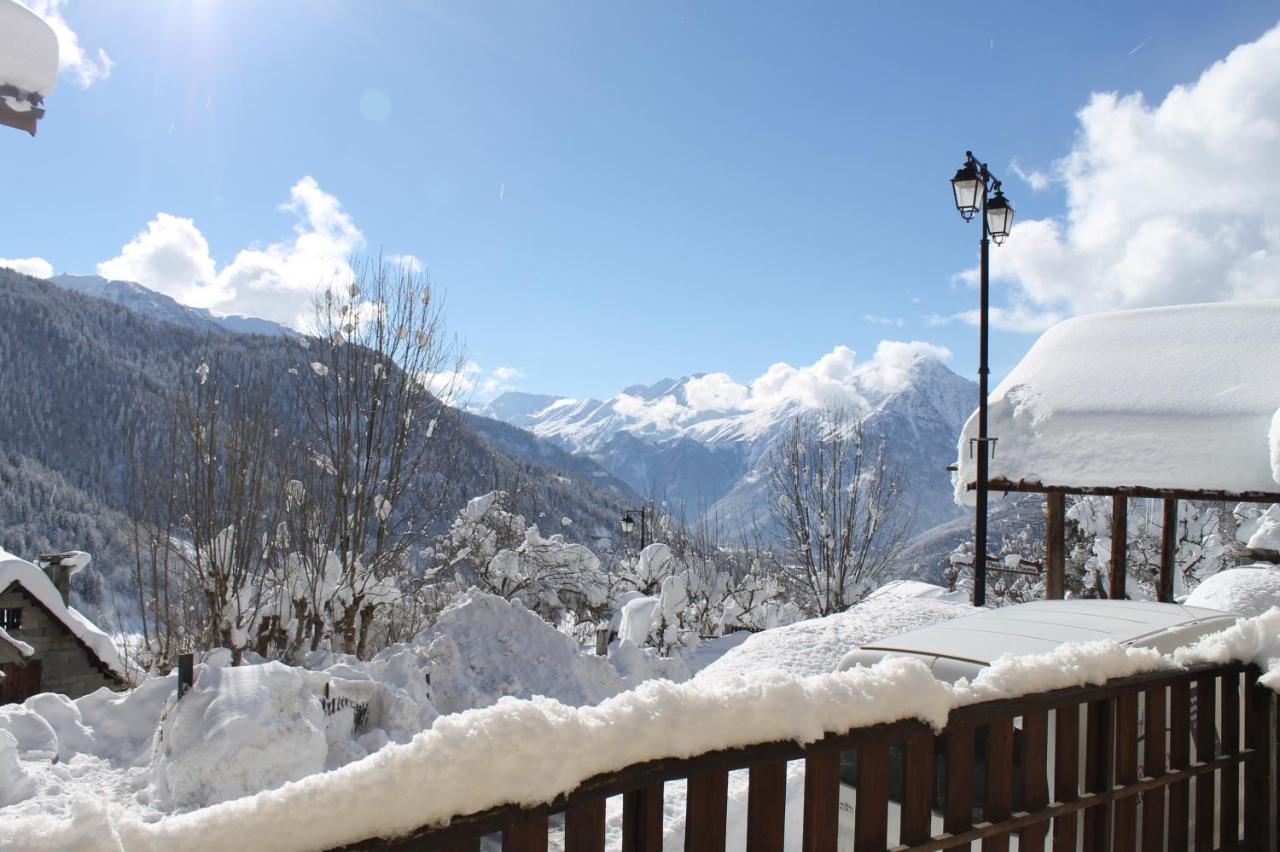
[238, 731]
[483, 647]
[817, 645]
[1251, 590]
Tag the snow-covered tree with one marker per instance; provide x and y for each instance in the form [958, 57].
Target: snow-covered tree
[372, 381]
[492, 547]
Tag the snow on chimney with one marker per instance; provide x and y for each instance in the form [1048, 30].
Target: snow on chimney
[61, 567]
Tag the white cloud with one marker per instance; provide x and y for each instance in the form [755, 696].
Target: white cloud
[1034, 178]
[472, 385]
[36, 267]
[1167, 203]
[170, 256]
[276, 281]
[879, 320]
[715, 392]
[836, 378]
[86, 67]
[406, 262]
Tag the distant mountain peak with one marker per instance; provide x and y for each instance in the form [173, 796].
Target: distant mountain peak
[154, 305]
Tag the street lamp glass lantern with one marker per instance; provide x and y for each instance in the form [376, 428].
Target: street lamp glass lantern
[999, 217]
[628, 523]
[967, 186]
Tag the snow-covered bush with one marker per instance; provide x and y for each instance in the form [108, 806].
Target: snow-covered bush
[493, 548]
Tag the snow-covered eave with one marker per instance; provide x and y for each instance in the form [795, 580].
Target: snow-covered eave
[23, 649]
[20, 109]
[1023, 486]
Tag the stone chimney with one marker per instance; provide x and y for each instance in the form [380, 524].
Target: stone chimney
[60, 566]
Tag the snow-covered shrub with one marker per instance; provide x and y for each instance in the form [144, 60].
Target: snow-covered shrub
[493, 548]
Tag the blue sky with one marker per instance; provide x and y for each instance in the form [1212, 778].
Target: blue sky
[611, 193]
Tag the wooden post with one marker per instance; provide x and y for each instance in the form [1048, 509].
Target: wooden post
[1168, 551]
[1055, 581]
[602, 641]
[1119, 546]
[186, 672]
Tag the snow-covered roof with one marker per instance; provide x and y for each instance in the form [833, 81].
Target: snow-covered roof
[28, 65]
[18, 645]
[1177, 399]
[37, 584]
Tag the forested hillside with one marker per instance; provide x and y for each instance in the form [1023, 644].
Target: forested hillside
[78, 375]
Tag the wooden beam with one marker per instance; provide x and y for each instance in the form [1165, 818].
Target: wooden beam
[1055, 546]
[1023, 486]
[1168, 551]
[1119, 546]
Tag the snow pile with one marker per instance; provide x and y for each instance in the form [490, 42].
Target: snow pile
[238, 731]
[393, 686]
[1247, 591]
[28, 53]
[15, 783]
[1274, 439]
[484, 647]
[38, 584]
[1177, 397]
[817, 645]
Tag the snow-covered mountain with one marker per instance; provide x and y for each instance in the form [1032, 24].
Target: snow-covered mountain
[158, 306]
[701, 441]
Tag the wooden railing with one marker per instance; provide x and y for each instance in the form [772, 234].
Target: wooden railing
[1152, 762]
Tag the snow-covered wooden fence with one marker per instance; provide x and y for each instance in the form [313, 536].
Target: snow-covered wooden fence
[1169, 759]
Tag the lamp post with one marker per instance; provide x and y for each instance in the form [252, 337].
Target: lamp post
[629, 524]
[973, 186]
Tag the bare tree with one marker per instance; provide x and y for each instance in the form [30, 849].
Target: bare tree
[838, 504]
[168, 612]
[373, 382]
[222, 496]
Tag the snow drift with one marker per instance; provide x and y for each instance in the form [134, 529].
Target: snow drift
[817, 645]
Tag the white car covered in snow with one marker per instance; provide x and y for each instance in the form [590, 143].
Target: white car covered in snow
[962, 647]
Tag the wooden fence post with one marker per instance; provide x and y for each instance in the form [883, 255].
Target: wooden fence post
[186, 672]
[1055, 582]
[1119, 546]
[1168, 550]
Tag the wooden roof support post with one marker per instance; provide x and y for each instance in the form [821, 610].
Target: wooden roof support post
[1055, 582]
[1119, 546]
[1168, 551]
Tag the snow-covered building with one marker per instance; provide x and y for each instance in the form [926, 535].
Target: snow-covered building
[28, 65]
[1172, 403]
[45, 644]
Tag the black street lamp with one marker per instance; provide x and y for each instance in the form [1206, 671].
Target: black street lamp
[978, 191]
[629, 524]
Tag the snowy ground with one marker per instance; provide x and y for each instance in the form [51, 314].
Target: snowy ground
[94, 773]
